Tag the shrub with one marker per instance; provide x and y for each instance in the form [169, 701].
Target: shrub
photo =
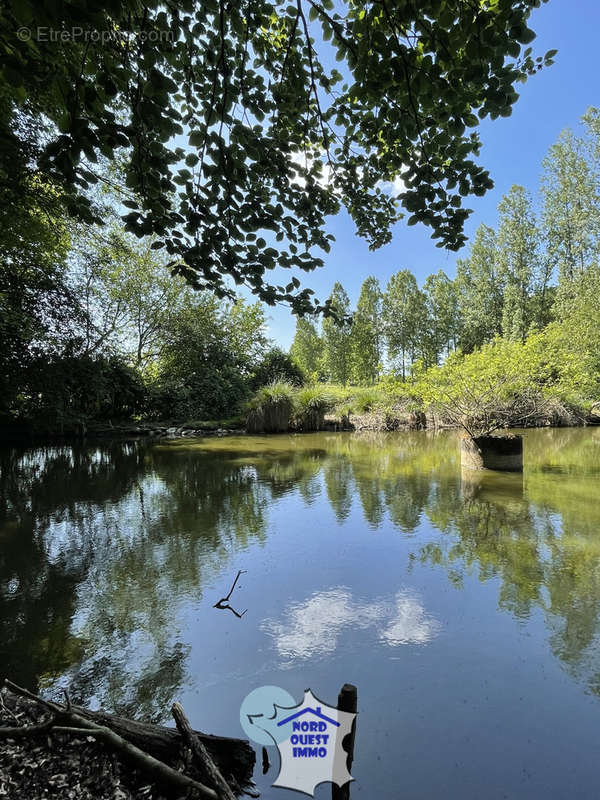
[277, 366]
[271, 408]
[312, 403]
[365, 400]
[502, 384]
[65, 392]
[204, 394]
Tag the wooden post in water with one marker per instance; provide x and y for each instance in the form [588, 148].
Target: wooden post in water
[347, 701]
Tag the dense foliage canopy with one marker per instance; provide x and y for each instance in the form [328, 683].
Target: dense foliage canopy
[94, 326]
[236, 134]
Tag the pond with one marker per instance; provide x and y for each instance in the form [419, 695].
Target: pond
[465, 608]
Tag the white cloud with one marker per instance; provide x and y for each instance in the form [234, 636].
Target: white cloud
[394, 187]
[305, 162]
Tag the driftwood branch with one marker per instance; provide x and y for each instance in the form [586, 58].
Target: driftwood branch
[25, 730]
[19, 690]
[83, 726]
[223, 603]
[201, 754]
[233, 756]
[74, 730]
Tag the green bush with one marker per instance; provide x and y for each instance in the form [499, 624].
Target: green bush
[366, 400]
[312, 403]
[271, 409]
[506, 383]
[201, 395]
[64, 393]
[276, 366]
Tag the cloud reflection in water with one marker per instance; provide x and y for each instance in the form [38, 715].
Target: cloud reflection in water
[312, 629]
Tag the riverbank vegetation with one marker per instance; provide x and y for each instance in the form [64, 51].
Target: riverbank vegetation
[95, 329]
[513, 339]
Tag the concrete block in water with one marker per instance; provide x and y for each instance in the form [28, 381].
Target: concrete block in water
[504, 453]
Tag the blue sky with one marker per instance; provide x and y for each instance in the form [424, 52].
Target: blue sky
[513, 149]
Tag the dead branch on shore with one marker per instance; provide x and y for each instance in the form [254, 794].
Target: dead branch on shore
[27, 730]
[200, 753]
[233, 757]
[65, 720]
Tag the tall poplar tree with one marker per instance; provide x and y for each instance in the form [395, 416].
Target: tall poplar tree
[479, 292]
[366, 333]
[441, 301]
[403, 317]
[519, 262]
[571, 206]
[337, 342]
[307, 347]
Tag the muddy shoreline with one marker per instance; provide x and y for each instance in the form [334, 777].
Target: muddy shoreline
[377, 420]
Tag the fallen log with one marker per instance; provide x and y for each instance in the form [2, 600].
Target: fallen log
[232, 757]
[83, 727]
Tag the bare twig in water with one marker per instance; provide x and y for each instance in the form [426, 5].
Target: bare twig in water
[224, 601]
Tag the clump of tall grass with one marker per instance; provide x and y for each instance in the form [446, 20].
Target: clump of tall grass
[271, 408]
[365, 400]
[312, 403]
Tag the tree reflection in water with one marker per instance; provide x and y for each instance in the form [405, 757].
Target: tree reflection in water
[101, 543]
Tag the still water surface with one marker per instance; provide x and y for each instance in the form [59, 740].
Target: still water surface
[466, 608]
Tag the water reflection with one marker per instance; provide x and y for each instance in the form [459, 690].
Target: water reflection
[47, 544]
[313, 628]
[105, 549]
[99, 547]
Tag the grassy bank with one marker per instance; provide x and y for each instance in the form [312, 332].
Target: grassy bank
[547, 380]
[551, 379]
